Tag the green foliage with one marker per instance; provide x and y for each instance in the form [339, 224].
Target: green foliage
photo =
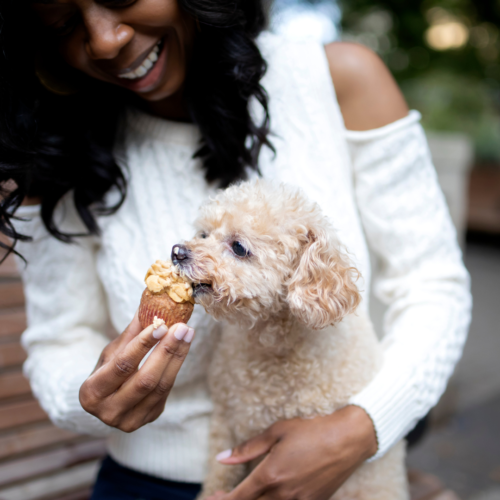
[464, 104]
[457, 87]
[406, 27]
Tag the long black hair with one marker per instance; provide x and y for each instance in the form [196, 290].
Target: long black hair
[52, 144]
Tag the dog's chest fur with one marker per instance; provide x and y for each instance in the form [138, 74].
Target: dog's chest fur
[255, 386]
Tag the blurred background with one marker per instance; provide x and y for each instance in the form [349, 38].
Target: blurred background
[445, 56]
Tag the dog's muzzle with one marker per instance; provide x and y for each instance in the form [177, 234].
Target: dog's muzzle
[180, 254]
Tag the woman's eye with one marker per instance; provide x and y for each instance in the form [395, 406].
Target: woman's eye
[66, 28]
[117, 4]
[239, 249]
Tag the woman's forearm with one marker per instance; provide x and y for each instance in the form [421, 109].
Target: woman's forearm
[422, 278]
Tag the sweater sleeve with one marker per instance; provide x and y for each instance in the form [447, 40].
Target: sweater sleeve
[66, 315]
[422, 278]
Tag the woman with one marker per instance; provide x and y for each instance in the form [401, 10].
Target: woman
[129, 115]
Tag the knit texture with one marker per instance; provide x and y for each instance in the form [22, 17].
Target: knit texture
[377, 187]
[421, 278]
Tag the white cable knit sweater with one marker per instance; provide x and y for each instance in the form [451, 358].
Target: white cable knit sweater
[378, 187]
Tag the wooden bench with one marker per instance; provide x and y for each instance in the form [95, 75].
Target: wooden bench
[38, 461]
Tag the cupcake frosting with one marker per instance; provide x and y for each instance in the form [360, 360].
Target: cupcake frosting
[164, 276]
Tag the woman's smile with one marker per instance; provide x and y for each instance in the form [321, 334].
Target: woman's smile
[147, 72]
[138, 69]
[141, 45]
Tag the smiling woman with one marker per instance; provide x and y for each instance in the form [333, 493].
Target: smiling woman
[143, 46]
[138, 110]
[191, 61]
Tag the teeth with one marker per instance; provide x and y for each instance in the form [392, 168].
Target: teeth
[145, 66]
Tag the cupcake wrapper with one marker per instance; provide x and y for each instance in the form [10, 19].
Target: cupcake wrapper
[163, 307]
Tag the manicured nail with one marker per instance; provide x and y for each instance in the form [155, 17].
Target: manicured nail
[180, 331]
[160, 332]
[223, 455]
[189, 335]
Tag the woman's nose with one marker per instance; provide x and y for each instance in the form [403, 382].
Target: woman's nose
[106, 35]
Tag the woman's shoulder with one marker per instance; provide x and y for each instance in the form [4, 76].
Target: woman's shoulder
[366, 92]
[368, 95]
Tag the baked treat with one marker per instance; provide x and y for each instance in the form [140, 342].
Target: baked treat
[168, 296]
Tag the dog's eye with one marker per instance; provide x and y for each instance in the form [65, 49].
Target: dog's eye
[239, 249]
[203, 235]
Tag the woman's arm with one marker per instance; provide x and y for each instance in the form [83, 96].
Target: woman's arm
[407, 225]
[66, 315]
[73, 369]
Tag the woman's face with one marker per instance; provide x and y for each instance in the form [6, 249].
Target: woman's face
[141, 45]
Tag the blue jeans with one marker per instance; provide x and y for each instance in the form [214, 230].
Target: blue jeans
[115, 482]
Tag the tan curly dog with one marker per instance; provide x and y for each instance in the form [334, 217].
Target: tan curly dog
[267, 263]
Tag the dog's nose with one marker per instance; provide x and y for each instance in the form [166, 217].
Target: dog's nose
[179, 254]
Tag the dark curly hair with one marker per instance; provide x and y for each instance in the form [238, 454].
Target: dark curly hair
[52, 144]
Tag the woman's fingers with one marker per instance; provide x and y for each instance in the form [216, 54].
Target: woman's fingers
[253, 487]
[249, 450]
[122, 364]
[259, 482]
[153, 381]
[123, 396]
[132, 330]
[163, 355]
[142, 398]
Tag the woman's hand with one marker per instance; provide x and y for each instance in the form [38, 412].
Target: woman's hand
[306, 459]
[127, 398]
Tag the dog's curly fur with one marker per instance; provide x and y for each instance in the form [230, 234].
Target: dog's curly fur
[291, 344]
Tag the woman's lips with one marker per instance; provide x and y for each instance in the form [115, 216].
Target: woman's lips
[151, 78]
[143, 64]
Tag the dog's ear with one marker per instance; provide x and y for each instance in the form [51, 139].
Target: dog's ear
[321, 290]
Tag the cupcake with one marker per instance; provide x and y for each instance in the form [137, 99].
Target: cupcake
[168, 297]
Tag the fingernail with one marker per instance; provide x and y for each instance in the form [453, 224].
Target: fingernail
[160, 332]
[180, 331]
[223, 455]
[189, 335]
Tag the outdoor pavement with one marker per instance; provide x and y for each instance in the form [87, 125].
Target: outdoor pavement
[462, 447]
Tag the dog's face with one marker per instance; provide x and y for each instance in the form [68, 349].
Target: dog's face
[261, 248]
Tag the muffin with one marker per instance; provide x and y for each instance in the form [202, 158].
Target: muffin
[168, 297]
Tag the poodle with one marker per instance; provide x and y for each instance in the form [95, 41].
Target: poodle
[268, 263]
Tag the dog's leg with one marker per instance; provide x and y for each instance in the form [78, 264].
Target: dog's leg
[220, 477]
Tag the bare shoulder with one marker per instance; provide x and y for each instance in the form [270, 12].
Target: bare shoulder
[367, 93]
